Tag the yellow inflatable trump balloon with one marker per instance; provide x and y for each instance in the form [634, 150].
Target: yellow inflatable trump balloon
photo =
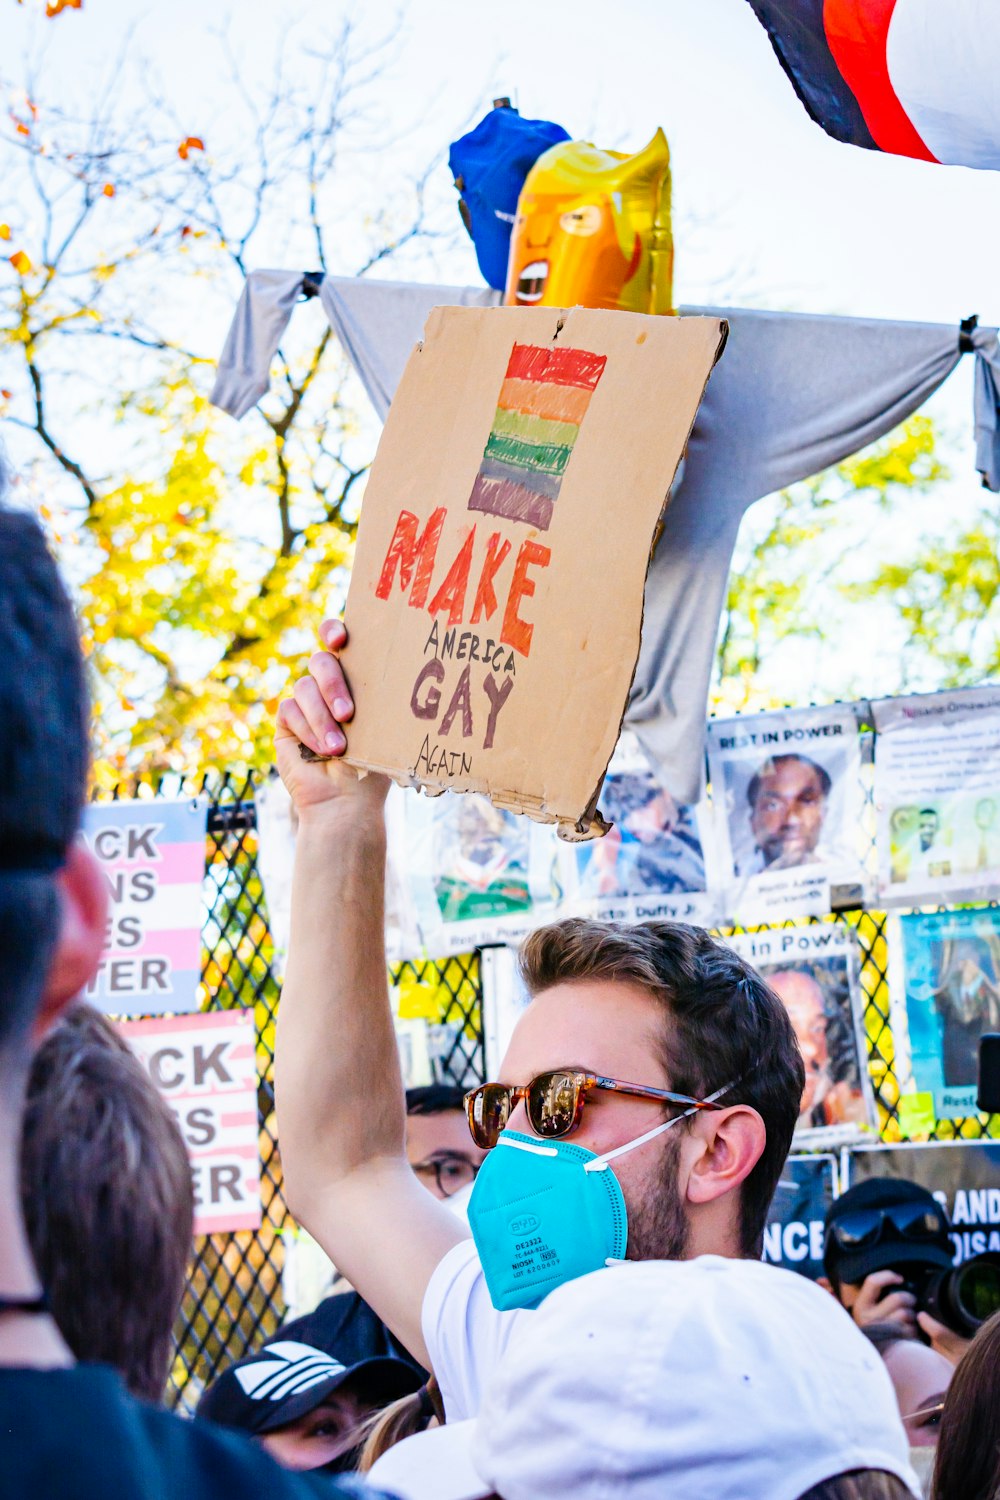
[593, 230]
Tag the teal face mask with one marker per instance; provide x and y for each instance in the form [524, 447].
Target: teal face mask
[544, 1212]
[539, 1217]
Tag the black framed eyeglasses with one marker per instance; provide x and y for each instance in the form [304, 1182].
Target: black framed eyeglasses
[449, 1170]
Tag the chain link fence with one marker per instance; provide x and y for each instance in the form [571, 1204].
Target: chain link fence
[233, 1298]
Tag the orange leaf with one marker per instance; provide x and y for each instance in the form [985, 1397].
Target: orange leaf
[185, 231]
[4, 231]
[108, 190]
[188, 144]
[20, 262]
[22, 129]
[55, 7]
[6, 394]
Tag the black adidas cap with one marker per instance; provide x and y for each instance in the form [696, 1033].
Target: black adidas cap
[287, 1380]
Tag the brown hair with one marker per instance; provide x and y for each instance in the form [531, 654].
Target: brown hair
[727, 1026]
[967, 1466]
[860, 1484]
[107, 1198]
[400, 1419]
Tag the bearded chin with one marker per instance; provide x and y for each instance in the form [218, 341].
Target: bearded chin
[657, 1225]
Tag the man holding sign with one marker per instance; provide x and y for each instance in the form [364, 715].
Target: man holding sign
[632, 1032]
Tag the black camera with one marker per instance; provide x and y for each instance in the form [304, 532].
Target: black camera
[961, 1297]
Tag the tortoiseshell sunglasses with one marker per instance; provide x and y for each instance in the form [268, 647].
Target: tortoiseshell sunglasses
[554, 1102]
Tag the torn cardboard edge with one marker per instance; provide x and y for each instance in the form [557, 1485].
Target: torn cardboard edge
[432, 457]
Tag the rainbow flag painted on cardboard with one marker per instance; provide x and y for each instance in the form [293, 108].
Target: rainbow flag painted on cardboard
[542, 402]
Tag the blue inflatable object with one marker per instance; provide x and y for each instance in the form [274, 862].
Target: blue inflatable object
[489, 166]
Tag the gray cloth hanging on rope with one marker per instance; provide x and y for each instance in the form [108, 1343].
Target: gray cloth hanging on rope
[792, 394]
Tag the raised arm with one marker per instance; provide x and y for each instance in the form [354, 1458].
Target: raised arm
[340, 1103]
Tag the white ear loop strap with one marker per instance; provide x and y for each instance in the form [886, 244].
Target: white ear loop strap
[599, 1164]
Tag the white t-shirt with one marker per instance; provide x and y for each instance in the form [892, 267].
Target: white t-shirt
[465, 1335]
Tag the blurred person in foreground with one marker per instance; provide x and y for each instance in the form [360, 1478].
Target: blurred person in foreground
[310, 1411]
[68, 1431]
[645, 1107]
[108, 1201]
[710, 1379]
[967, 1466]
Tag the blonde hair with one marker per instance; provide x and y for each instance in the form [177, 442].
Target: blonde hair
[401, 1419]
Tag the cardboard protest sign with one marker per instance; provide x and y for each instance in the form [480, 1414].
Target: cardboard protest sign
[786, 800]
[937, 794]
[816, 971]
[944, 994]
[206, 1070]
[152, 855]
[964, 1177]
[496, 597]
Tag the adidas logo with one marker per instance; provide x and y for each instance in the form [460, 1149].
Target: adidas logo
[287, 1369]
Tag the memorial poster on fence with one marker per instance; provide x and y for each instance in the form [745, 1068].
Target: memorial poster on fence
[945, 992]
[964, 1177]
[937, 795]
[476, 873]
[793, 1235]
[276, 860]
[651, 864]
[786, 801]
[205, 1068]
[152, 856]
[815, 970]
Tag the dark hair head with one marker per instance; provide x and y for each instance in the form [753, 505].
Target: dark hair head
[968, 1452]
[43, 762]
[107, 1199]
[725, 1025]
[774, 761]
[884, 1336]
[435, 1099]
[860, 1484]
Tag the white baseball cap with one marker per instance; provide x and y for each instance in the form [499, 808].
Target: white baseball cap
[708, 1379]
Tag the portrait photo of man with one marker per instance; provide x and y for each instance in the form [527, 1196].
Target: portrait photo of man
[927, 858]
[787, 801]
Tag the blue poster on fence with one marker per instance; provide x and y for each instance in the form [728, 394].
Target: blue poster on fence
[793, 1237]
[947, 995]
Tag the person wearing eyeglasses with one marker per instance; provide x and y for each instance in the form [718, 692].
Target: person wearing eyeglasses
[643, 1110]
[440, 1149]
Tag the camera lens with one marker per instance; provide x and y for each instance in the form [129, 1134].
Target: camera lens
[976, 1289]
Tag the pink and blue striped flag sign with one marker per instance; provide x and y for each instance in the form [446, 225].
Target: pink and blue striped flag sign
[152, 855]
[205, 1067]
